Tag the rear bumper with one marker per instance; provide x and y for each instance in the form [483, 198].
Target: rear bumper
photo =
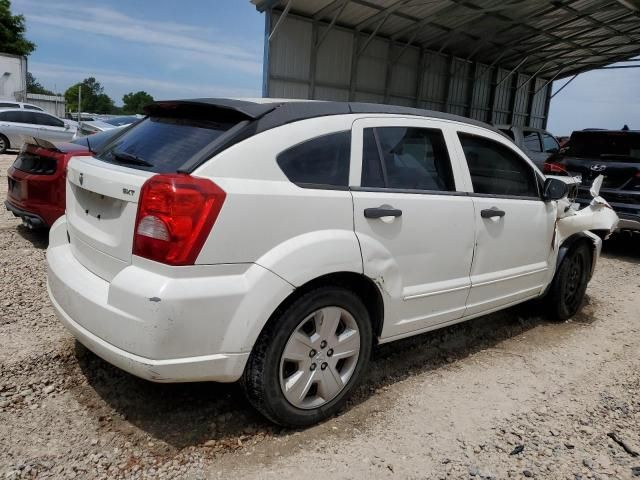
[216, 367]
[31, 219]
[41, 199]
[164, 324]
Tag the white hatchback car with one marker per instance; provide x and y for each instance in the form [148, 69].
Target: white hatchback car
[276, 242]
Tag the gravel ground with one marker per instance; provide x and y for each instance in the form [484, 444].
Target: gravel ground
[509, 395]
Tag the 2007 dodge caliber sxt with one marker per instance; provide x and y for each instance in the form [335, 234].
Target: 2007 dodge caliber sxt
[275, 242]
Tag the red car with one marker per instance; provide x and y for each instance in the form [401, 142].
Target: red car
[37, 178]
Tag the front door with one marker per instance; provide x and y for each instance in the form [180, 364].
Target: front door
[514, 227]
[416, 231]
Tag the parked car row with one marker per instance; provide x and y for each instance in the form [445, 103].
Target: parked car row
[19, 125]
[276, 243]
[612, 154]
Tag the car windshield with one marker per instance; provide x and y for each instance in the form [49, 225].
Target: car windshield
[120, 121]
[619, 146]
[164, 143]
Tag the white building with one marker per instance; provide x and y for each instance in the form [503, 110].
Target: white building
[13, 77]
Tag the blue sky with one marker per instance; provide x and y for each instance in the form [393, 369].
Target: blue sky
[195, 48]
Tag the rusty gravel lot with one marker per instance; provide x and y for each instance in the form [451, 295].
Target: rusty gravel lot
[509, 395]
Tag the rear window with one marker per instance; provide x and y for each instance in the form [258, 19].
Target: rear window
[617, 146]
[120, 121]
[165, 144]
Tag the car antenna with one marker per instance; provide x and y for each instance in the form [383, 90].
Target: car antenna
[89, 145]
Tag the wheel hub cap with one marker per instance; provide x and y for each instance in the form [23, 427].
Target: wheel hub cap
[319, 358]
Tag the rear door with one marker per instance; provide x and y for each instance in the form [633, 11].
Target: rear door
[514, 227]
[13, 125]
[416, 230]
[51, 128]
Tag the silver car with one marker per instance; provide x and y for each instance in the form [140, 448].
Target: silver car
[18, 125]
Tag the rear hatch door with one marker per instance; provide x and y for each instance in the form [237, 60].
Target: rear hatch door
[613, 154]
[103, 190]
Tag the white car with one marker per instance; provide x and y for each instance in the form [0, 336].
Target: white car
[277, 242]
[18, 126]
[12, 104]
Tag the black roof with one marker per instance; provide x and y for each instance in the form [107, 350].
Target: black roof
[250, 118]
[274, 114]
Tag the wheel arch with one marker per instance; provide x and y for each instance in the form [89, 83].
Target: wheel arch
[588, 238]
[360, 284]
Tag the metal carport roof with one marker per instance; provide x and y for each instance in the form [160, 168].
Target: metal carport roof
[553, 38]
[493, 60]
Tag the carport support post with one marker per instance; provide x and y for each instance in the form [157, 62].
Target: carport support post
[419, 78]
[471, 86]
[513, 93]
[447, 105]
[547, 105]
[493, 96]
[354, 66]
[313, 60]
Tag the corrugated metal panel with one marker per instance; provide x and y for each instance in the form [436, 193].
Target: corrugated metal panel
[334, 57]
[388, 71]
[290, 52]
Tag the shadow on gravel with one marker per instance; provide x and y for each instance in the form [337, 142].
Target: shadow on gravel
[623, 246]
[184, 415]
[38, 238]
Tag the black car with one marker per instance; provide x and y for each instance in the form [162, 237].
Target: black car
[615, 154]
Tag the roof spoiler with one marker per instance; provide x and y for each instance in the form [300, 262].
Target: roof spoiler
[39, 142]
[216, 109]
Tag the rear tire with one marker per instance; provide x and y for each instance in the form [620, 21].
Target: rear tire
[570, 283]
[4, 144]
[309, 358]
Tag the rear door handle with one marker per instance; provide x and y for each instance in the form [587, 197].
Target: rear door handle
[380, 212]
[491, 212]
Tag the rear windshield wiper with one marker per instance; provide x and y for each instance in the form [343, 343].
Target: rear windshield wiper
[124, 157]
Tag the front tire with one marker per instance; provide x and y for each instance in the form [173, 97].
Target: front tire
[4, 144]
[309, 358]
[570, 283]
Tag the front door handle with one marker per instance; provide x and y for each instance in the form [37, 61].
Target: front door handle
[380, 212]
[491, 212]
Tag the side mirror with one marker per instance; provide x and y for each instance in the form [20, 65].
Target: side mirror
[66, 126]
[554, 189]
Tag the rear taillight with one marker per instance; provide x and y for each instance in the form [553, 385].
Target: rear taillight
[175, 215]
[552, 168]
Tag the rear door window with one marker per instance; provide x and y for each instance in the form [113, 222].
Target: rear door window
[32, 107]
[163, 145]
[551, 145]
[48, 120]
[496, 169]
[322, 161]
[406, 158]
[532, 141]
[9, 105]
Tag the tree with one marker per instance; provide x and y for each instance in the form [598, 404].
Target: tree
[94, 99]
[34, 86]
[12, 32]
[135, 102]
